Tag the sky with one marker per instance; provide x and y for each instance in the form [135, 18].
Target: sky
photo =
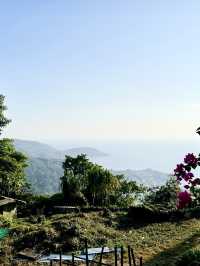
[101, 70]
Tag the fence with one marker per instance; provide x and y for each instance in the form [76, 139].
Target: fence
[118, 258]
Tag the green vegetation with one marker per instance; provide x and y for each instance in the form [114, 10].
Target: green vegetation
[45, 167]
[162, 243]
[12, 163]
[96, 185]
[44, 175]
[165, 195]
[191, 257]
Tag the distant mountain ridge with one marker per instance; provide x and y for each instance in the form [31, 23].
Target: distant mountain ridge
[40, 150]
[148, 177]
[45, 166]
[90, 152]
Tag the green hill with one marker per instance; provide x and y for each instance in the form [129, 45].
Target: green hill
[44, 175]
[45, 166]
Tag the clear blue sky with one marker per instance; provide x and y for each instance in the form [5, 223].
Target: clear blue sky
[101, 69]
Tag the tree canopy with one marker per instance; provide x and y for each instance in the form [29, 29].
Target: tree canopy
[96, 185]
[12, 163]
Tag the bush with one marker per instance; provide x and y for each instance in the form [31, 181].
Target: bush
[152, 214]
[190, 258]
[107, 213]
[57, 199]
[192, 212]
[76, 199]
[36, 205]
[165, 196]
[147, 214]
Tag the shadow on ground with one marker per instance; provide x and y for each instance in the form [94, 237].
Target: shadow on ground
[124, 222]
[170, 256]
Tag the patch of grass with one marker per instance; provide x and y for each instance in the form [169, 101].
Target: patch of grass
[161, 243]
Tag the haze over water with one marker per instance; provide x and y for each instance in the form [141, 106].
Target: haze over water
[159, 155]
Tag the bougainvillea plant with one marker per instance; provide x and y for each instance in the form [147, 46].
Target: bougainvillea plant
[184, 199]
[183, 173]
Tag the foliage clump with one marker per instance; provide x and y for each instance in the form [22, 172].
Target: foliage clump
[164, 197]
[12, 162]
[87, 183]
[190, 258]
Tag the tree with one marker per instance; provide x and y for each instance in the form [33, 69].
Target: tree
[127, 193]
[12, 163]
[3, 120]
[101, 184]
[75, 171]
[165, 196]
[98, 185]
[74, 182]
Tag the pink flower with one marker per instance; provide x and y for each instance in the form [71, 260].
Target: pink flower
[188, 176]
[184, 199]
[180, 170]
[191, 160]
[195, 182]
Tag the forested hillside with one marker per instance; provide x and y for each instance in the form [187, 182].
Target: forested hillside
[44, 175]
[45, 166]
[148, 177]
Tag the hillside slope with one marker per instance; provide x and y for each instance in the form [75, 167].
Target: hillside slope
[45, 166]
[44, 175]
[148, 177]
[159, 243]
[41, 150]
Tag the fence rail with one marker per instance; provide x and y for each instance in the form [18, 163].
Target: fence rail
[90, 256]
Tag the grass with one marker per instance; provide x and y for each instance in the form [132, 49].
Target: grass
[161, 243]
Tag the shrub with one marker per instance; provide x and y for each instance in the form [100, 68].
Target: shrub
[57, 199]
[107, 213]
[192, 213]
[164, 196]
[147, 214]
[152, 214]
[76, 199]
[190, 258]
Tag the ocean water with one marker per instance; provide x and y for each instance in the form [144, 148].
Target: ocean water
[159, 155]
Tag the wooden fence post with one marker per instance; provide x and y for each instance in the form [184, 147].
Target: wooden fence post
[51, 263]
[129, 255]
[60, 258]
[101, 256]
[133, 257]
[73, 259]
[115, 256]
[141, 263]
[122, 256]
[86, 249]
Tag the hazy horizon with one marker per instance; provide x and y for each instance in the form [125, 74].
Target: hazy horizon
[103, 71]
[160, 155]
[136, 155]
